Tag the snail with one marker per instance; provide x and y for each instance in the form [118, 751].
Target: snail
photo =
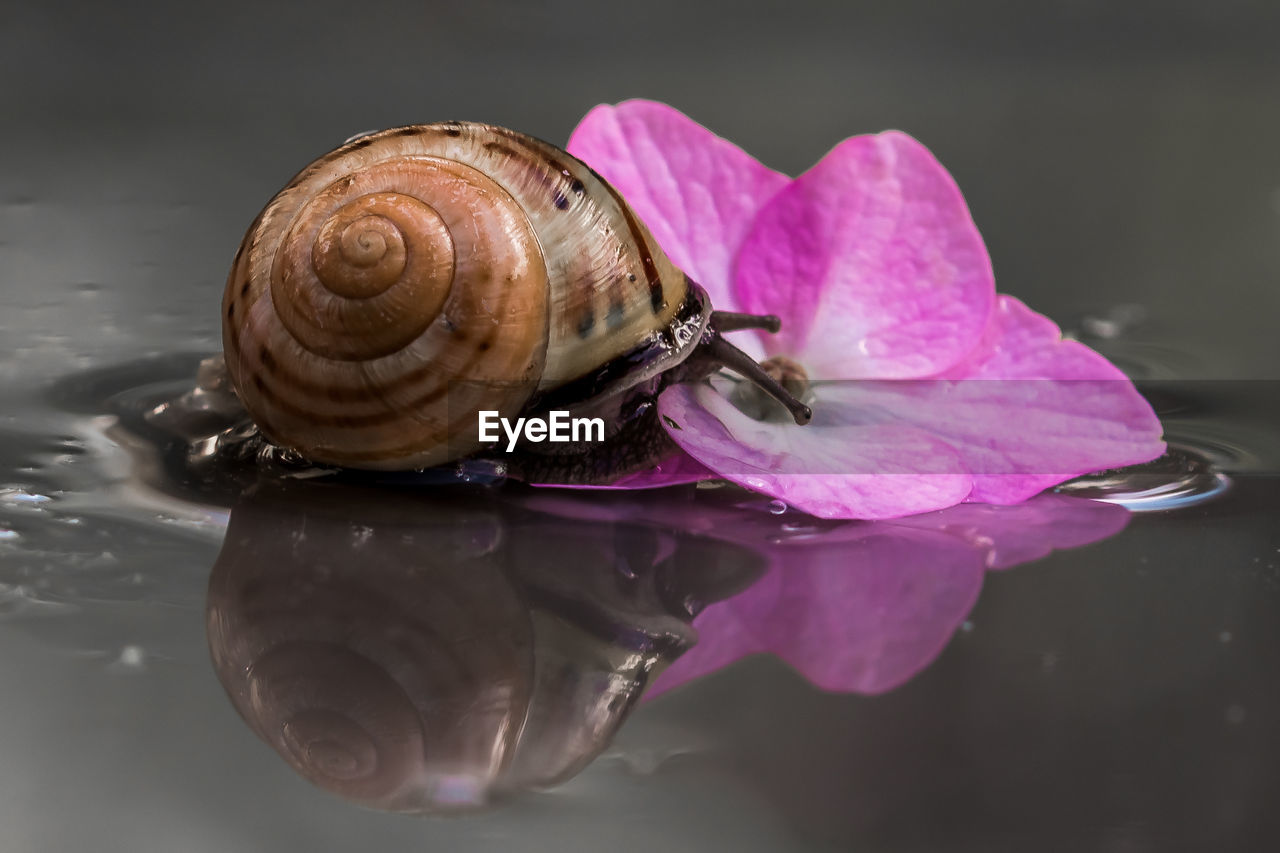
[412, 652]
[413, 277]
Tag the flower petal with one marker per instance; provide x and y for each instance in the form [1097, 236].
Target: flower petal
[838, 466]
[697, 192]
[1015, 437]
[873, 263]
[1089, 419]
[1019, 343]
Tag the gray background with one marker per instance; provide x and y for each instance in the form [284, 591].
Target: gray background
[1113, 154]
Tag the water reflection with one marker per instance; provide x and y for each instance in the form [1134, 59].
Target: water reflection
[438, 649]
[419, 651]
[851, 606]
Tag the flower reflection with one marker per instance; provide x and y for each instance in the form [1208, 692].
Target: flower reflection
[438, 650]
[863, 608]
[855, 606]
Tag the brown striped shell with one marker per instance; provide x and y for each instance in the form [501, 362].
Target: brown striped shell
[413, 277]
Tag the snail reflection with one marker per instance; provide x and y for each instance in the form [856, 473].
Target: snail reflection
[434, 648]
[419, 651]
[439, 649]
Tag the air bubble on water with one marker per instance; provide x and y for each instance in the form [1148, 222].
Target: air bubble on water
[777, 507]
[8, 535]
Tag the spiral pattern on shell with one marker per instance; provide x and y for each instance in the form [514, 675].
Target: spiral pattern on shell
[413, 277]
[382, 304]
[361, 278]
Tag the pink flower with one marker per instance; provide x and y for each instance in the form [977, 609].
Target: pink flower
[928, 388]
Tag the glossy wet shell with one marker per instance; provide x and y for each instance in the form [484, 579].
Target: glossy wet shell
[416, 276]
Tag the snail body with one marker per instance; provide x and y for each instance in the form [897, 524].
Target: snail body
[413, 277]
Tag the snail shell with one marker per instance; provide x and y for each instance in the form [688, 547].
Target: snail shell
[413, 277]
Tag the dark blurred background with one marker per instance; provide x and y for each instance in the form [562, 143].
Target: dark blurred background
[1114, 154]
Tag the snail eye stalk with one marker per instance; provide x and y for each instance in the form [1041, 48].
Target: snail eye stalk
[720, 352]
[732, 321]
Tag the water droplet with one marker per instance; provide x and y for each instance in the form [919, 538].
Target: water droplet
[1235, 715]
[1182, 477]
[17, 496]
[798, 527]
[1224, 637]
[132, 659]
[1114, 322]
[777, 507]
[966, 627]
[7, 535]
